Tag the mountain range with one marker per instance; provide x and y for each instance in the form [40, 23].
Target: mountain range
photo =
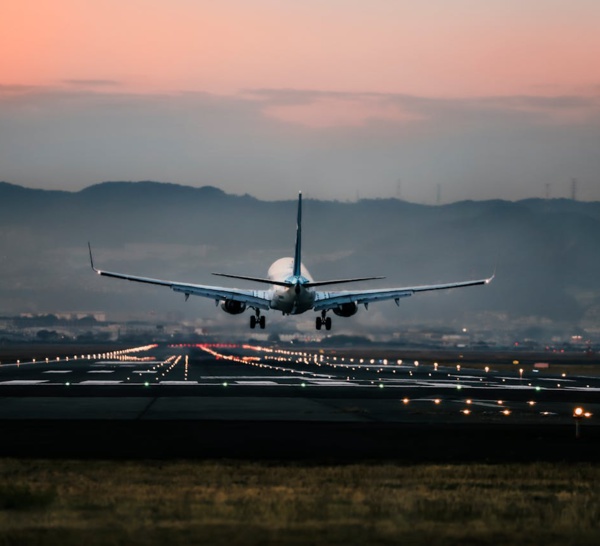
[545, 254]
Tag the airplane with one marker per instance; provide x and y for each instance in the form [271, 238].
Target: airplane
[292, 289]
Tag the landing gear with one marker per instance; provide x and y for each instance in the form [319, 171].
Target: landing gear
[323, 320]
[257, 319]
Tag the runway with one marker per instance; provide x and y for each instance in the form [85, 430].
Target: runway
[229, 400]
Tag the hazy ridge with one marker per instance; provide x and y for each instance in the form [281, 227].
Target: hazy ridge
[546, 253]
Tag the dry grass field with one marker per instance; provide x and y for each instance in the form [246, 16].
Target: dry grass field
[68, 502]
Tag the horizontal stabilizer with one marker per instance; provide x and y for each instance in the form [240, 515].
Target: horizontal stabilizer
[341, 281]
[305, 284]
[254, 279]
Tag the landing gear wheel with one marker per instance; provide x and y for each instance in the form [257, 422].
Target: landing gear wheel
[262, 321]
[328, 323]
[253, 322]
[318, 323]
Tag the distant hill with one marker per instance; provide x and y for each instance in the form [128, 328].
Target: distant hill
[546, 253]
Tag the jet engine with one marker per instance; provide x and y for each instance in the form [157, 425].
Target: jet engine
[233, 307]
[346, 309]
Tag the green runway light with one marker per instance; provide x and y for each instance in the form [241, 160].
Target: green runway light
[381, 385]
[225, 384]
[303, 385]
[538, 389]
[146, 384]
[458, 387]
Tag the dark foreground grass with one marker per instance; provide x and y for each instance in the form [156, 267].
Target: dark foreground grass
[187, 502]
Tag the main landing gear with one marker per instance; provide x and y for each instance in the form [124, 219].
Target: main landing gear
[257, 319]
[323, 320]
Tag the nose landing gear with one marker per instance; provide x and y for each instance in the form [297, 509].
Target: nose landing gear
[257, 319]
[323, 320]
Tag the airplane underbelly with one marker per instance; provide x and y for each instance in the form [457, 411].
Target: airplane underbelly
[290, 303]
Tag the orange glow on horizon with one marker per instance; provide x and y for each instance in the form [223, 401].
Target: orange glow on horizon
[467, 49]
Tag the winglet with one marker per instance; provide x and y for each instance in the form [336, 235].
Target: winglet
[490, 279]
[298, 249]
[92, 258]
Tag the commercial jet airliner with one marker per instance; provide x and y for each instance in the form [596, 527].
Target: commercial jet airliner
[292, 290]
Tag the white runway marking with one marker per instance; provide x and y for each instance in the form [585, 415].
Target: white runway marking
[332, 383]
[256, 383]
[144, 371]
[101, 371]
[58, 371]
[93, 382]
[24, 382]
[178, 382]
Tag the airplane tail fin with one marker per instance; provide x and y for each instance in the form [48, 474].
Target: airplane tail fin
[298, 249]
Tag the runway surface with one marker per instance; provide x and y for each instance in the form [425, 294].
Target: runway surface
[233, 400]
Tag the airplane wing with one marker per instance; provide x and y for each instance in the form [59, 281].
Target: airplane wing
[253, 298]
[331, 300]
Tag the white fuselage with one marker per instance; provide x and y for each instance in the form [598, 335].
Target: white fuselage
[291, 300]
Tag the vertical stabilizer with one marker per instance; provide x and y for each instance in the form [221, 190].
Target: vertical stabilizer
[298, 250]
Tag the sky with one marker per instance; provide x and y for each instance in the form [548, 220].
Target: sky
[429, 101]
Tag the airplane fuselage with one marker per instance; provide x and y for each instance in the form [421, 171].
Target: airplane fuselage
[293, 299]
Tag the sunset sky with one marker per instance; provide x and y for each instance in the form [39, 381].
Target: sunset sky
[476, 99]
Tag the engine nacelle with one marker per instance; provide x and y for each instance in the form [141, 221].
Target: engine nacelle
[233, 307]
[346, 309]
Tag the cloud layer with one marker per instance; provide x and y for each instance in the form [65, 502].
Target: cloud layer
[272, 142]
